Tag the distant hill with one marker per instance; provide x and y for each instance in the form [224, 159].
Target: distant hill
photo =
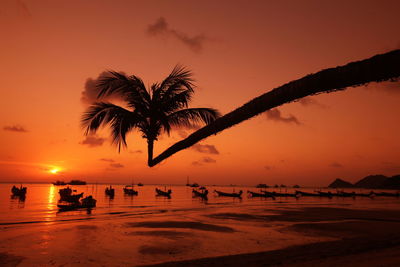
[370, 181]
[339, 183]
[392, 182]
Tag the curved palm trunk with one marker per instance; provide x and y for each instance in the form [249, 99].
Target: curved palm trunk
[376, 69]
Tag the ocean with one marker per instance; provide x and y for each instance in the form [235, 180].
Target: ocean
[146, 229]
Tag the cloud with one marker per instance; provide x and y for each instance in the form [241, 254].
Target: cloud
[268, 167]
[335, 165]
[135, 151]
[309, 101]
[91, 91]
[23, 10]
[275, 115]
[390, 166]
[203, 161]
[161, 27]
[107, 160]
[116, 165]
[93, 141]
[15, 128]
[208, 149]
[388, 87]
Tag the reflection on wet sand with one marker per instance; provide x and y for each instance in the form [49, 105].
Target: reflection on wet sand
[145, 229]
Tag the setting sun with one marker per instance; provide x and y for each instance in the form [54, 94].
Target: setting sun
[54, 170]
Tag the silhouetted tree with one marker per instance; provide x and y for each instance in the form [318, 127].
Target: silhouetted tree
[151, 111]
[376, 69]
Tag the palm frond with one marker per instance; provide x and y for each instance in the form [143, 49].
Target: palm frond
[131, 89]
[193, 116]
[120, 120]
[179, 79]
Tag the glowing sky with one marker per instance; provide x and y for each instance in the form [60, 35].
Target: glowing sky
[237, 50]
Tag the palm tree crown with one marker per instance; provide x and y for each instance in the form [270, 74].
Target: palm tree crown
[151, 111]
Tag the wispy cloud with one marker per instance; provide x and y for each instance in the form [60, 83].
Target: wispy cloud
[204, 160]
[93, 141]
[138, 151]
[23, 10]
[91, 91]
[107, 160]
[161, 28]
[388, 87]
[15, 128]
[275, 115]
[310, 101]
[116, 165]
[335, 165]
[268, 167]
[207, 149]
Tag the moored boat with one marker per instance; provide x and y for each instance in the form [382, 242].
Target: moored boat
[306, 194]
[160, 192]
[67, 196]
[224, 194]
[21, 191]
[110, 191]
[203, 193]
[129, 190]
[262, 194]
[85, 203]
[77, 182]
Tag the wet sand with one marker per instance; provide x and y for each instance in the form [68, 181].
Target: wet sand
[183, 231]
[363, 237]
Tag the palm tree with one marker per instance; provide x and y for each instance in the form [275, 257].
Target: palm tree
[151, 111]
[375, 69]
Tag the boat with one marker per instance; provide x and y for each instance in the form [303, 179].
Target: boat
[223, 194]
[262, 194]
[203, 194]
[20, 192]
[139, 184]
[194, 185]
[110, 191]
[59, 183]
[306, 194]
[77, 182]
[86, 203]
[160, 192]
[129, 190]
[276, 194]
[67, 196]
[370, 194]
[262, 186]
[325, 194]
[346, 194]
[387, 194]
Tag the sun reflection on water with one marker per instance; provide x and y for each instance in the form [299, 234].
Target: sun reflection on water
[51, 205]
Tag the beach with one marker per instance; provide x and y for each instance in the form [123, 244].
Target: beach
[185, 231]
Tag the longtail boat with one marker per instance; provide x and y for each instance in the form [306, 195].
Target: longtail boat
[130, 191]
[67, 196]
[85, 203]
[203, 194]
[276, 194]
[20, 192]
[306, 194]
[110, 191]
[262, 194]
[387, 194]
[160, 192]
[223, 194]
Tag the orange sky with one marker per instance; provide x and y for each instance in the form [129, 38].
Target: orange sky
[237, 50]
